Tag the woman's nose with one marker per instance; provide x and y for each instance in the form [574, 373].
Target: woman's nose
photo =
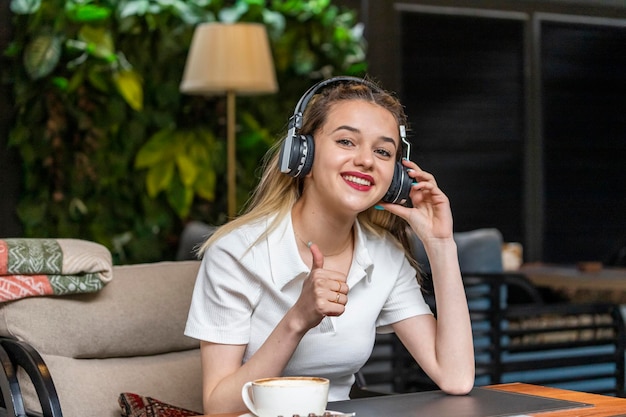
[364, 158]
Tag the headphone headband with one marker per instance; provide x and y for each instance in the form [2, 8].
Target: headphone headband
[296, 120]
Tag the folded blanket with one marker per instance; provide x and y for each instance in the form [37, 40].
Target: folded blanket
[32, 267]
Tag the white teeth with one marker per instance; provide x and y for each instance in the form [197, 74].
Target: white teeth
[360, 181]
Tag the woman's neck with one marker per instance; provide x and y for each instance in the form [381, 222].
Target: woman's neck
[334, 235]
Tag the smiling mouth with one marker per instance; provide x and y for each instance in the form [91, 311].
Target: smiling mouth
[357, 180]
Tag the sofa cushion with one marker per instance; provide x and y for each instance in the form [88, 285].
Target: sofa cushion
[142, 311]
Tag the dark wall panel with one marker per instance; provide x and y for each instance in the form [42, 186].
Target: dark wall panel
[584, 84]
[463, 87]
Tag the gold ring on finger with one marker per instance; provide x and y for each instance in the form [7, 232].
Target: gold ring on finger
[337, 299]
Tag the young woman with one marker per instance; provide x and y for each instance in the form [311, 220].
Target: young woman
[320, 261]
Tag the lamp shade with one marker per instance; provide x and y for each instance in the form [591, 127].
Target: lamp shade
[233, 57]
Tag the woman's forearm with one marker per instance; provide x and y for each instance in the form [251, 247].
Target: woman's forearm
[454, 346]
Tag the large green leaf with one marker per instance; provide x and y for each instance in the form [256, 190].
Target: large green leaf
[187, 169]
[129, 84]
[98, 79]
[76, 81]
[234, 13]
[159, 178]
[99, 41]
[159, 148]
[133, 8]
[205, 184]
[275, 23]
[84, 12]
[25, 6]
[201, 157]
[180, 198]
[42, 55]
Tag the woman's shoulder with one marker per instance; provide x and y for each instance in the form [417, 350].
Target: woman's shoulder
[242, 232]
[242, 237]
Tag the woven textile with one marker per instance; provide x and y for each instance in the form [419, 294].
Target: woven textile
[134, 405]
[32, 267]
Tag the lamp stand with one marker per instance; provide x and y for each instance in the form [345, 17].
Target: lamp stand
[230, 151]
[229, 58]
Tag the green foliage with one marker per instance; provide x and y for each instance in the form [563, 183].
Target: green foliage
[112, 151]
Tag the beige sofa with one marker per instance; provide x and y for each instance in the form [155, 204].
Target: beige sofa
[127, 337]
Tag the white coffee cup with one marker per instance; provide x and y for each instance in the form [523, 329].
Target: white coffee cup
[286, 396]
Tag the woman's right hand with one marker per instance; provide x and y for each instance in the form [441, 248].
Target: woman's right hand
[324, 293]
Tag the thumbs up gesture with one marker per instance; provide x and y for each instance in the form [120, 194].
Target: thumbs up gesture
[324, 292]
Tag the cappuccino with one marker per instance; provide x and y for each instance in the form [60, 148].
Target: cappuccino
[286, 396]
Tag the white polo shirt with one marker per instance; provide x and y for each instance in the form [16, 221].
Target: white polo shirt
[242, 292]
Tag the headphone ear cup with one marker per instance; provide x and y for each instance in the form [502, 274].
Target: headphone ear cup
[400, 187]
[300, 155]
[307, 155]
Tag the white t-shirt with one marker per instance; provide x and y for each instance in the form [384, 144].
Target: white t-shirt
[242, 292]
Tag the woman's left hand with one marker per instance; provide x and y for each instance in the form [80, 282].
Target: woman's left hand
[430, 216]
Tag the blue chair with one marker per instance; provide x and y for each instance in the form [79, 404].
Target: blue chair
[480, 251]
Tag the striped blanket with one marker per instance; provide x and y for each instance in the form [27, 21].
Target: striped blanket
[34, 267]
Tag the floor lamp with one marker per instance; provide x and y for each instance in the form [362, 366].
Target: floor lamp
[229, 59]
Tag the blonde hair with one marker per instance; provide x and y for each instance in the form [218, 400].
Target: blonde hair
[276, 192]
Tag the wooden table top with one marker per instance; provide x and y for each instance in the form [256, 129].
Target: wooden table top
[603, 406]
[568, 275]
[578, 284]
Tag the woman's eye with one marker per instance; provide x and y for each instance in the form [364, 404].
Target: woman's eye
[384, 152]
[344, 142]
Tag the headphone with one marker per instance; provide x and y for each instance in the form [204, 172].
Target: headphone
[297, 150]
